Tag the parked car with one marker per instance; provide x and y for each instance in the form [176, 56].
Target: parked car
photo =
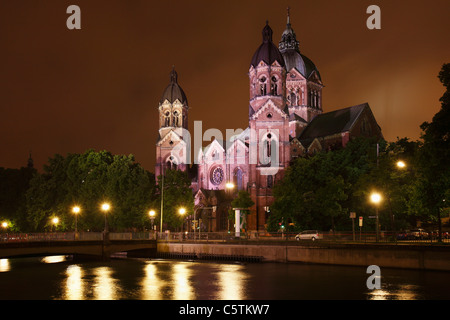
[435, 234]
[402, 235]
[309, 235]
[418, 234]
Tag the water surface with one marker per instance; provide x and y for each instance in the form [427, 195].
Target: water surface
[60, 278]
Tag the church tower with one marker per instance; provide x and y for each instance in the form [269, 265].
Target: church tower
[269, 127]
[172, 148]
[303, 83]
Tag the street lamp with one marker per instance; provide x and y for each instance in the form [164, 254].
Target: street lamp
[4, 225]
[152, 214]
[105, 208]
[375, 198]
[76, 210]
[401, 164]
[55, 221]
[229, 185]
[182, 211]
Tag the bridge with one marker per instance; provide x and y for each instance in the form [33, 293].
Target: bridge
[84, 245]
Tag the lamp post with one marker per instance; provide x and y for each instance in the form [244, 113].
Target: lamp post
[401, 164]
[105, 208]
[76, 210]
[4, 225]
[182, 212]
[152, 213]
[55, 221]
[375, 198]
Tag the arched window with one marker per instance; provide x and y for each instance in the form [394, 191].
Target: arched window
[171, 163]
[262, 86]
[167, 119]
[293, 98]
[269, 149]
[239, 178]
[274, 86]
[175, 119]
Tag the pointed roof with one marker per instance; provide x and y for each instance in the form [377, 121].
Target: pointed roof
[267, 51]
[173, 91]
[290, 50]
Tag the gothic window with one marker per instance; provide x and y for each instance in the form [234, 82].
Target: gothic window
[268, 149]
[293, 99]
[175, 118]
[274, 86]
[239, 179]
[262, 86]
[167, 119]
[217, 176]
[171, 163]
[269, 145]
[316, 99]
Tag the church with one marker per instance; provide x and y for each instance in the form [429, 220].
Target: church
[286, 121]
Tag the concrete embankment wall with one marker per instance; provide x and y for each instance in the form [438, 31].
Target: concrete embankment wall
[395, 256]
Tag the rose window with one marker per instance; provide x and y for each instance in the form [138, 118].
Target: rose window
[217, 176]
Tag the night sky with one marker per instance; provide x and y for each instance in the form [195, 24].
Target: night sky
[66, 91]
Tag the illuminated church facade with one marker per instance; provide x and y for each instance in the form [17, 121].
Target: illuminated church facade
[286, 121]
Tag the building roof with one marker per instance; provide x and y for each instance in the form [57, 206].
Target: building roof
[330, 123]
[267, 51]
[173, 91]
[289, 48]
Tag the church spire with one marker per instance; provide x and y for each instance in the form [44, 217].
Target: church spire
[30, 163]
[288, 38]
[173, 75]
[288, 17]
[267, 33]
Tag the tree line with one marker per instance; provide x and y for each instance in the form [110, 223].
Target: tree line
[30, 200]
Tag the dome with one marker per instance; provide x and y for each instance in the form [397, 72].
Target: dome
[267, 51]
[173, 91]
[294, 59]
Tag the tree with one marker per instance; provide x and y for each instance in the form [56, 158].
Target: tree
[87, 180]
[318, 192]
[176, 194]
[433, 158]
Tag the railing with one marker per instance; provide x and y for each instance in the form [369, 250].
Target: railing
[71, 236]
[336, 237]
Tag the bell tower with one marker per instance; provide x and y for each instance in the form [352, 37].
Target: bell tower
[172, 148]
[269, 127]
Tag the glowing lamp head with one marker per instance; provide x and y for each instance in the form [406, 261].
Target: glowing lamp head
[76, 209]
[375, 198]
[401, 164]
[229, 185]
[152, 213]
[55, 220]
[182, 211]
[5, 224]
[106, 207]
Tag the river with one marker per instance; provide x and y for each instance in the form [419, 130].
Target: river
[60, 278]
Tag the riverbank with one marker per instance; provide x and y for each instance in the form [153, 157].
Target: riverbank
[407, 256]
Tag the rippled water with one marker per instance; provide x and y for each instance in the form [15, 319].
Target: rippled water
[58, 277]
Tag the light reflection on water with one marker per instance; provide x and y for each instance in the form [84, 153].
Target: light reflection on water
[143, 279]
[4, 265]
